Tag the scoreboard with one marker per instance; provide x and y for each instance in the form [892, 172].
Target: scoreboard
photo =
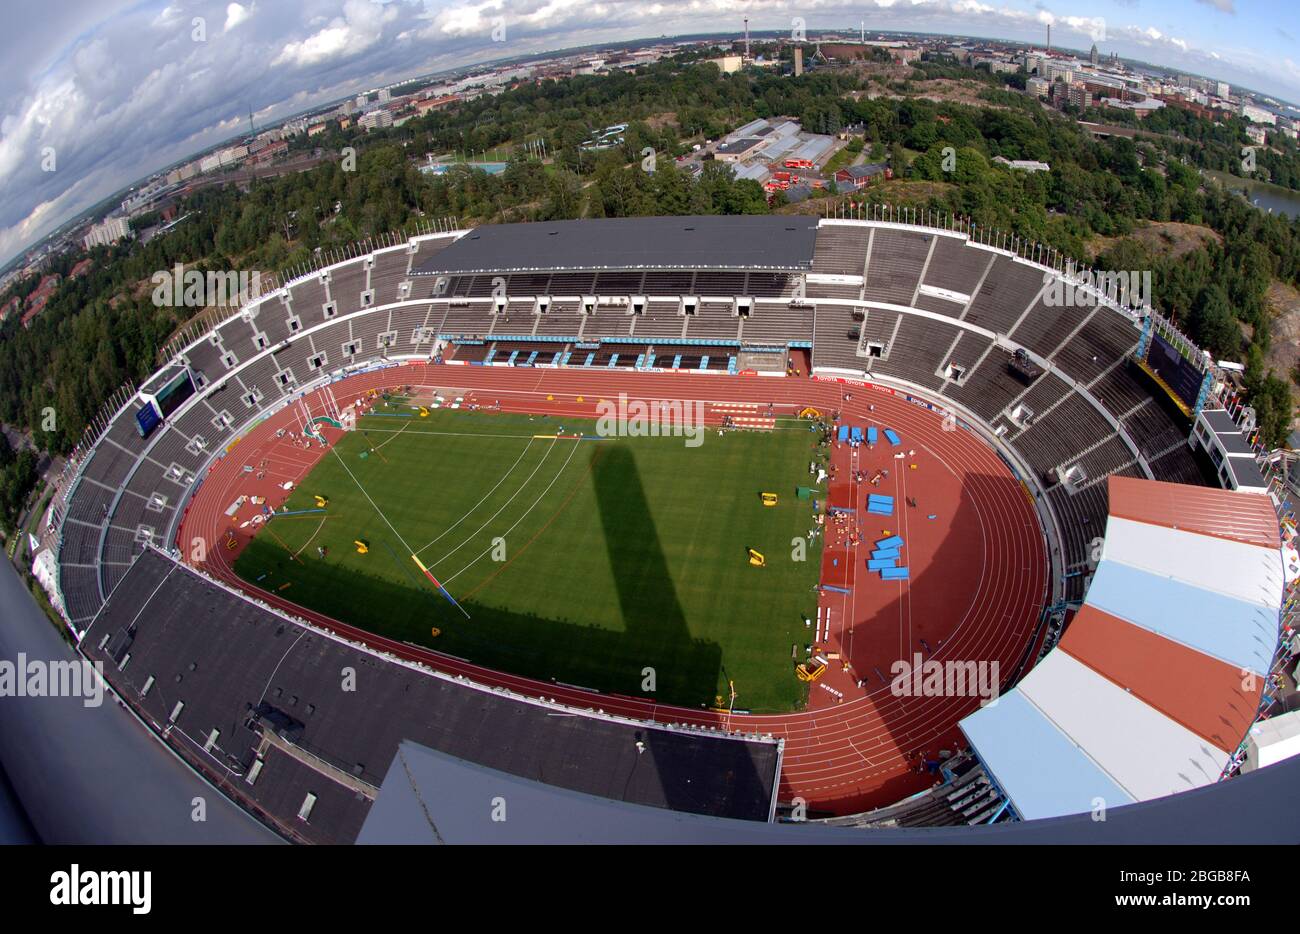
[1180, 374]
[163, 400]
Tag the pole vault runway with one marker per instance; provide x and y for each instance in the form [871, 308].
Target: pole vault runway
[975, 550]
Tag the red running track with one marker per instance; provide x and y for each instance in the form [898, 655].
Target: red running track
[978, 569]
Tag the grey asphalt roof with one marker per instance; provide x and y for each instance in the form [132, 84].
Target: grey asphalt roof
[704, 242]
[91, 775]
[429, 797]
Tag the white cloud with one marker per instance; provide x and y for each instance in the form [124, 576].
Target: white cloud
[235, 14]
[359, 28]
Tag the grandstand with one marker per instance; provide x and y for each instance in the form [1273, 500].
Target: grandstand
[1157, 680]
[928, 309]
[252, 697]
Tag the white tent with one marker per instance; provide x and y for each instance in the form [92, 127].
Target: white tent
[45, 568]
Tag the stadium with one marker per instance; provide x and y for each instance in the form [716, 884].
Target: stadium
[1061, 500]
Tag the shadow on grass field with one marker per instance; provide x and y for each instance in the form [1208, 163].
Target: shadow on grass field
[656, 635]
[626, 559]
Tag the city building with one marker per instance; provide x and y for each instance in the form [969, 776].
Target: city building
[376, 119]
[1024, 165]
[1258, 114]
[860, 176]
[1139, 108]
[1059, 71]
[435, 103]
[184, 173]
[223, 157]
[728, 64]
[107, 231]
[738, 149]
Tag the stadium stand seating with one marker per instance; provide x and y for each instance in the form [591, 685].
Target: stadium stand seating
[1045, 326]
[939, 305]
[1105, 338]
[609, 321]
[1006, 294]
[918, 349]
[840, 250]
[894, 266]
[956, 266]
[1177, 465]
[989, 386]
[1062, 432]
[387, 274]
[834, 290]
[778, 324]
[713, 321]
[968, 796]
[347, 282]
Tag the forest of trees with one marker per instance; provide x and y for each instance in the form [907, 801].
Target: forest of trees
[101, 329]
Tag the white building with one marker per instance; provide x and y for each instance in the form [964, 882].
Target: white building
[1024, 165]
[376, 119]
[1056, 71]
[109, 230]
[1258, 114]
[224, 157]
[1141, 108]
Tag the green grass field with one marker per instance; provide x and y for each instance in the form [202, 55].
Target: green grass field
[619, 555]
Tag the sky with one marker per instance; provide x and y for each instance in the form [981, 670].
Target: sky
[98, 93]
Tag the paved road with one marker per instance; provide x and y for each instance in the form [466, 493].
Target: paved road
[94, 775]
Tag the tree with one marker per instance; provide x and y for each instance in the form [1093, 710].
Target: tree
[1213, 325]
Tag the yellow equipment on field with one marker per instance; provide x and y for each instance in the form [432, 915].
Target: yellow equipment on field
[322, 502]
[769, 499]
[809, 412]
[756, 559]
[363, 548]
[810, 671]
[424, 413]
